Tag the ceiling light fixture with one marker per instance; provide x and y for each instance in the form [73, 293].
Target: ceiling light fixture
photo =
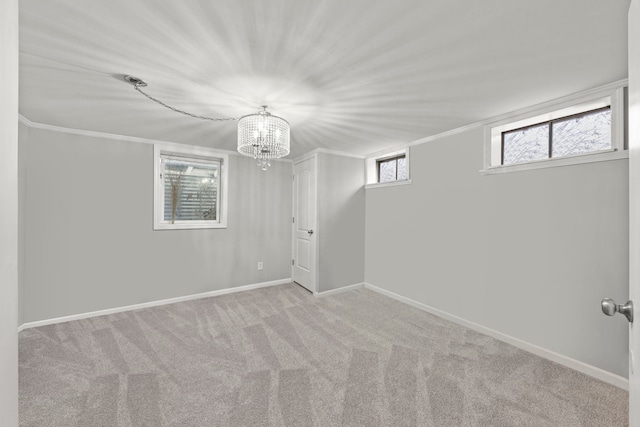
[261, 135]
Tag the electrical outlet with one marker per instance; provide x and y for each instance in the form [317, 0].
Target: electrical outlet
[260, 265]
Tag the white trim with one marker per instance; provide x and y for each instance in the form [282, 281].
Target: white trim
[389, 151]
[633, 55]
[371, 172]
[564, 107]
[523, 111]
[558, 110]
[590, 370]
[116, 137]
[338, 290]
[431, 138]
[577, 365]
[151, 304]
[618, 117]
[568, 100]
[309, 154]
[396, 151]
[316, 221]
[455, 131]
[604, 156]
[158, 186]
[386, 184]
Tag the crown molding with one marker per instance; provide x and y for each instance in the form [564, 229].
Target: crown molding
[22, 119]
[93, 134]
[573, 99]
[315, 151]
[523, 111]
[338, 153]
[548, 104]
[116, 137]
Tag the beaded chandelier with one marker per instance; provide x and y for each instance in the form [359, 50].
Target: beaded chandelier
[263, 137]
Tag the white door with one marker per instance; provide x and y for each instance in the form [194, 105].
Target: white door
[634, 211]
[304, 224]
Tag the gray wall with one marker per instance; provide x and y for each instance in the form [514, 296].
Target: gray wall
[9, 213]
[90, 244]
[340, 221]
[528, 254]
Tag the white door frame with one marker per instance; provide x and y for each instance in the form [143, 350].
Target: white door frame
[9, 212]
[634, 211]
[314, 241]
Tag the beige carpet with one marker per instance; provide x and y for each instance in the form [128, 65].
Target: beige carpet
[279, 356]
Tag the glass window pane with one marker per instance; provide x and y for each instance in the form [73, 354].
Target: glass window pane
[525, 145]
[190, 190]
[582, 134]
[402, 169]
[388, 170]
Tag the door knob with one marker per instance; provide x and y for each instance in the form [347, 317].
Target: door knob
[310, 232]
[609, 307]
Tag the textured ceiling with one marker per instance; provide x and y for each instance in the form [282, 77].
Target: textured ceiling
[352, 75]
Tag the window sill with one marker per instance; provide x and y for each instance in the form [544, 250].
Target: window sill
[602, 156]
[177, 226]
[387, 184]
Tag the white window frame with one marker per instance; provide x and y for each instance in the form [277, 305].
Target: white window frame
[575, 104]
[197, 153]
[371, 163]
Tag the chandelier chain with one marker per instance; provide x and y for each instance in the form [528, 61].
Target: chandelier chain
[260, 135]
[213, 119]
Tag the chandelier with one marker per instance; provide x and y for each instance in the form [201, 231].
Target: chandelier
[261, 135]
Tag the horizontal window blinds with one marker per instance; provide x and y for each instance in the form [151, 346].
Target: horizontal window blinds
[191, 189]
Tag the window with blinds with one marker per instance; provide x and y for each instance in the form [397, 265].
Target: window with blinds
[188, 190]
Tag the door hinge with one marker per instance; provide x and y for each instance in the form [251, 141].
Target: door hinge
[293, 220]
[292, 262]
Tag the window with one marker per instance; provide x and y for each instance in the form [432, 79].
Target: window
[190, 188]
[388, 168]
[577, 129]
[392, 169]
[567, 136]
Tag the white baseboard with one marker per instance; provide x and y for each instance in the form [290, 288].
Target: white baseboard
[151, 304]
[577, 365]
[338, 290]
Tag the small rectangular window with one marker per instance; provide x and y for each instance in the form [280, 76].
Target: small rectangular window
[566, 136]
[388, 168]
[392, 169]
[579, 128]
[190, 189]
